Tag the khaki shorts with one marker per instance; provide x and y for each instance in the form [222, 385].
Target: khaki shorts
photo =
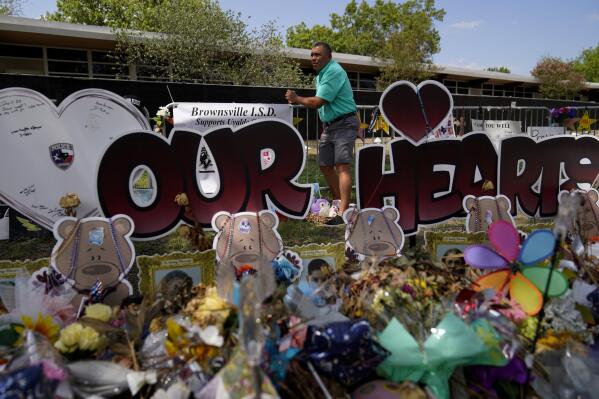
[337, 142]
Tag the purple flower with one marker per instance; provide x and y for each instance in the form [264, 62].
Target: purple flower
[408, 289]
[554, 113]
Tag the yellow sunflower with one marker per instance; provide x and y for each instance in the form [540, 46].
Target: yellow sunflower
[44, 325]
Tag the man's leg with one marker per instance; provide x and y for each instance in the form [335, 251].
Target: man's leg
[332, 180]
[345, 187]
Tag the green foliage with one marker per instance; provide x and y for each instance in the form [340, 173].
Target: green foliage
[501, 69]
[588, 64]
[131, 14]
[188, 40]
[303, 232]
[402, 33]
[558, 78]
[10, 7]
[178, 243]
[196, 40]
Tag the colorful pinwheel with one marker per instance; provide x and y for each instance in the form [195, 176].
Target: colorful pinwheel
[516, 271]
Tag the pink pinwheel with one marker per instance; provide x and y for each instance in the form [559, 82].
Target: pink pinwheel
[525, 282]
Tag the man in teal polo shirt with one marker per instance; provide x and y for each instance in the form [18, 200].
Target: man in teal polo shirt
[337, 110]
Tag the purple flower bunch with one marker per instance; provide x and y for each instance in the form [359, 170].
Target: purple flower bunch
[561, 113]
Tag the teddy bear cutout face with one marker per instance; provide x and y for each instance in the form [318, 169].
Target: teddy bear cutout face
[92, 250]
[374, 232]
[246, 237]
[587, 217]
[484, 210]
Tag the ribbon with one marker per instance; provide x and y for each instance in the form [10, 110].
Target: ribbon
[137, 379]
[97, 292]
[296, 337]
[451, 344]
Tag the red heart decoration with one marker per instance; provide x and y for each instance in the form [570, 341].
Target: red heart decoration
[403, 110]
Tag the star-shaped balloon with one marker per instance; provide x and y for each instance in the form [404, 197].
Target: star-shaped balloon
[381, 124]
[362, 124]
[570, 123]
[585, 122]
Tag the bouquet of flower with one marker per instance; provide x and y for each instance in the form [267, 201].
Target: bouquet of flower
[427, 340]
[163, 115]
[562, 113]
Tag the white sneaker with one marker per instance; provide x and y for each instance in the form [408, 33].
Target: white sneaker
[334, 211]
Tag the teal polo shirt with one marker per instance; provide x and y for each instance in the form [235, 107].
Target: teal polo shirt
[332, 85]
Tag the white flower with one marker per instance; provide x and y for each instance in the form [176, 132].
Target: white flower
[209, 335]
[137, 379]
[177, 390]
[163, 112]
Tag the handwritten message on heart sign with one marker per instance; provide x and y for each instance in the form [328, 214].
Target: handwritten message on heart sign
[47, 151]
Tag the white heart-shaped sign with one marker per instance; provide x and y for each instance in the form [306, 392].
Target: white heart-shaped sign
[48, 151]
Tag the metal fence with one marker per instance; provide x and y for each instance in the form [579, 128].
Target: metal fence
[527, 116]
[310, 126]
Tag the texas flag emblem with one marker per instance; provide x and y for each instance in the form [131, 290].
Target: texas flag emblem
[62, 154]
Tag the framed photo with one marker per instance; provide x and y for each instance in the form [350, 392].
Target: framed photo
[316, 256]
[448, 247]
[199, 266]
[10, 268]
[529, 228]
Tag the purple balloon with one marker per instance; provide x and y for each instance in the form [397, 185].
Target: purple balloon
[482, 257]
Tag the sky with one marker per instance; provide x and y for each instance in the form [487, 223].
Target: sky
[474, 34]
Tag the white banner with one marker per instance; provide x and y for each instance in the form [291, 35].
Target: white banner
[4, 226]
[497, 130]
[540, 132]
[204, 116]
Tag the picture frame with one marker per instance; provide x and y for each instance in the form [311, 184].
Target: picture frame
[9, 269]
[199, 266]
[443, 244]
[529, 228]
[315, 256]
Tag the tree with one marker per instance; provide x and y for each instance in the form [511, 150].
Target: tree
[402, 33]
[196, 40]
[587, 64]
[10, 7]
[131, 14]
[558, 78]
[501, 69]
[188, 40]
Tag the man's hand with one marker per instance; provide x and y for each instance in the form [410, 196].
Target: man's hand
[361, 134]
[310, 102]
[291, 96]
